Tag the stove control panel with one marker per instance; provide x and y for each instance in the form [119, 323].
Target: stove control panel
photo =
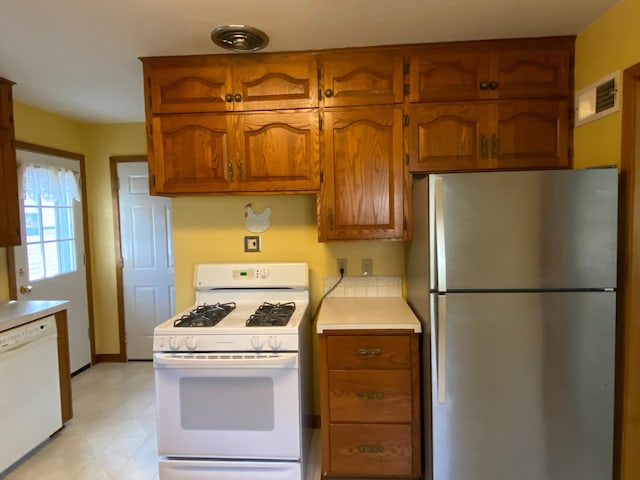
[225, 343]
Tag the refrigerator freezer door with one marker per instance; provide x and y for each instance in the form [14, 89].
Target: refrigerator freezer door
[529, 381]
[554, 229]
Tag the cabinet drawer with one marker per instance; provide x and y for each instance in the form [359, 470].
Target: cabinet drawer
[365, 395]
[376, 450]
[368, 352]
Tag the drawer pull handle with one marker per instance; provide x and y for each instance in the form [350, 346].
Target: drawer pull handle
[369, 352]
[370, 448]
[370, 395]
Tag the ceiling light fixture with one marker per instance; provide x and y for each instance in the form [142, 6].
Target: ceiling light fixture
[239, 38]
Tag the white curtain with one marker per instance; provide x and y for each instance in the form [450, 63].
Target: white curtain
[53, 183]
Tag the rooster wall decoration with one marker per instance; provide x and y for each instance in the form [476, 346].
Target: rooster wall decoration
[256, 222]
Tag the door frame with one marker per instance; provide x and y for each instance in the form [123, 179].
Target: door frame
[113, 166]
[13, 288]
[628, 376]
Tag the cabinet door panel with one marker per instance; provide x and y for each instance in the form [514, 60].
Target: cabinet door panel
[363, 395]
[192, 154]
[372, 78]
[279, 152]
[271, 83]
[531, 134]
[362, 194]
[448, 74]
[446, 137]
[186, 89]
[532, 73]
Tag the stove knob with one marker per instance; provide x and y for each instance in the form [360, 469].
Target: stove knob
[274, 343]
[174, 343]
[192, 343]
[257, 343]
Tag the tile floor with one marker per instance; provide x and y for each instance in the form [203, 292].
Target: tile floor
[113, 432]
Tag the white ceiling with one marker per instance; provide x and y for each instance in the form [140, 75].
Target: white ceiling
[79, 58]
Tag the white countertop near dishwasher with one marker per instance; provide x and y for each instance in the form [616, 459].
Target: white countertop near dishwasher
[15, 312]
[358, 313]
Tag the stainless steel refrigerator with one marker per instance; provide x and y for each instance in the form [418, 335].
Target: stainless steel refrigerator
[513, 275]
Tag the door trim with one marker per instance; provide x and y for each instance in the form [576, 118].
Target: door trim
[13, 289]
[113, 165]
[628, 377]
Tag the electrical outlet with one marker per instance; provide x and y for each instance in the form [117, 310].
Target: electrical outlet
[342, 265]
[252, 243]
[367, 266]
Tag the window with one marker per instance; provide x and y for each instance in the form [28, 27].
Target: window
[49, 195]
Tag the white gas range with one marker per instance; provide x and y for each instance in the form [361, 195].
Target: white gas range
[232, 392]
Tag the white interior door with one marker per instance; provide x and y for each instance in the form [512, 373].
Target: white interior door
[147, 255]
[50, 262]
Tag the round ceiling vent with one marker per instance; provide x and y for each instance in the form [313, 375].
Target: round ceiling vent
[239, 38]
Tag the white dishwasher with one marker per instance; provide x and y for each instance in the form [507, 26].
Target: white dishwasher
[30, 394]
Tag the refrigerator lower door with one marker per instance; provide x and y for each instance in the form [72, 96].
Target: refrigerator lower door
[522, 385]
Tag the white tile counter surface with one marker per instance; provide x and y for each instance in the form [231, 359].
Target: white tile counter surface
[358, 313]
[16, 313]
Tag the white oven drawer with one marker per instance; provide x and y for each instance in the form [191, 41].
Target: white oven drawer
[228, 408]
[206, 470]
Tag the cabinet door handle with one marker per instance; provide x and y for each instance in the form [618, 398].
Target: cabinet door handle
[484, 146]
[493, 85]
[330, 215]
[328, 93]
[230, 166]
[237, 97]
[495, 146]
[228, 98]
[484, 85]
[369, 352]
[370, 395]
[370, 448]
[241, 171]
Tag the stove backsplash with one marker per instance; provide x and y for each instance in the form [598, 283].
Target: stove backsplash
[364, 286]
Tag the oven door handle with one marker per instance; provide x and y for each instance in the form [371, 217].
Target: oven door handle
[208, 360]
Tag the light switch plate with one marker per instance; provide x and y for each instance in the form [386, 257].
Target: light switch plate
[252, 243]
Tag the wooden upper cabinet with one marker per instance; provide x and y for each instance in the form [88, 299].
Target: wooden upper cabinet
[362, 191]
[361, 78]
[218, 153]
[521, 68]
[505, 134]
[531, 134]
[191, 154]
[9, 205]
[219, 83]
[279, 151]
[448, 136]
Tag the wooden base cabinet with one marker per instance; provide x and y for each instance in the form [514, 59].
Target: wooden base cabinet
[370, 404]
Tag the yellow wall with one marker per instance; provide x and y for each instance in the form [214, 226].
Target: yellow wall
[611, 43]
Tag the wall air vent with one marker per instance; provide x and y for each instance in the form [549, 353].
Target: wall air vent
[597, 100]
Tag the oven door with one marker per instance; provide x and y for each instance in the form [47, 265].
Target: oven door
[228, 405]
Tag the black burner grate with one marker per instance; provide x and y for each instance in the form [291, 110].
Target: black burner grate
[205, 315]
[271, 315]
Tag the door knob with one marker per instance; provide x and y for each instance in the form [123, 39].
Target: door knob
[26, 289]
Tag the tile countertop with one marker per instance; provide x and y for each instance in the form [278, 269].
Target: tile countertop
[357, 313]
[16, 313]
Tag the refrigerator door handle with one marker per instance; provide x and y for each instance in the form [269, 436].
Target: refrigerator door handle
[439, 344]
[442, 346]
[440, 253]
